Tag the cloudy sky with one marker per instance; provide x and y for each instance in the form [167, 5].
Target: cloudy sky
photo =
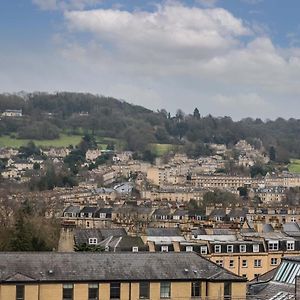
[227, 57]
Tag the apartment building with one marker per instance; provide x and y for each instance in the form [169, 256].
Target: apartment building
[124, 276]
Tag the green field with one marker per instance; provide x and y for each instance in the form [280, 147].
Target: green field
[161, 149]
[294, 166]
[63, 141]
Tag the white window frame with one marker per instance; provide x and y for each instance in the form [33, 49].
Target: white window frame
[290, 245]
[273, 245]
[219, 249]
[231, 263]
[219, 262]
[244, 263]
[135, 249]
[229, 248]
[164, 249]
[93, 241]
[256, 248]
[257, 263]
[243, 248]
[274, 261]
[203, 250]
[189, 249]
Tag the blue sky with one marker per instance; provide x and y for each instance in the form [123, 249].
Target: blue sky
[226, 57]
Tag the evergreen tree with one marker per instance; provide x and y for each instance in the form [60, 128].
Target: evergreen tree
[196, 113]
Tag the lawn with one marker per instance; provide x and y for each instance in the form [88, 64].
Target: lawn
[161, 149]
[294, 166]
[63, 141]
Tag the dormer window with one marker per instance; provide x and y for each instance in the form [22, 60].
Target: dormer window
[93, 241]
[256, 248]
[217, 248]
[135, 249]
[229, 248]
[164, 249]
[203, 250]
[273, 245]
[189, 249]
[243, 248]
[290, 245]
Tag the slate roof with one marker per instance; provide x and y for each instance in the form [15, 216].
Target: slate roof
[72, 209]
[107, 232]
[74, 267]
[81, 236]
[163, 232]
[218, 212]
[89, 209]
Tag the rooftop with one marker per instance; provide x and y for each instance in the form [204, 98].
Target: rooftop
[53, 266]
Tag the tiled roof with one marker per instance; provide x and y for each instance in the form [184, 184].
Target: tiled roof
[53, 266]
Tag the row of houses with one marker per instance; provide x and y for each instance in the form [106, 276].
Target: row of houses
[246, 254]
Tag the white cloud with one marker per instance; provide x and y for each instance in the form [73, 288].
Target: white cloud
[65, 4]
[172, 57]
[172, 29]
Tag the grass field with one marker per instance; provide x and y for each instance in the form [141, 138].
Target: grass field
[63, 141]
[294, 166]
[161, 149]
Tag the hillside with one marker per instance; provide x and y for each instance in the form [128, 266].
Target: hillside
[48, 116]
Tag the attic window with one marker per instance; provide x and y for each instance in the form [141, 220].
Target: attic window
[203, 250]
[256, 248]
[164, 248]
[135, 249]
[93, 241]
[189, 249]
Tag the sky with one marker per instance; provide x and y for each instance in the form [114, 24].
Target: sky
[239, 58]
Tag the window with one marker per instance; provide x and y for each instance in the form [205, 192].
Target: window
[93, 241]
[196, 289]
[135, 249]
[203, 250]
[217, 248]
[68, 291]
[165, 289]
[20, 292]
[115, 288]
[274, 261]
[189, 249]
[273, 245]
[257, 263]
[93, 291]
[244, 263]
[242, 248]
[230, 248]
[227, 290]
[164, 248]
[231, 263]
[290, 245]
[219, 262]
[256, 248]
[144, 290]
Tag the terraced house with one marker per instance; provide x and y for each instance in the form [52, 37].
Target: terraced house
[105, 276]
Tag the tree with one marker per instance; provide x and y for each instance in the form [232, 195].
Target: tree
[272, 153]
[88, 248]
[196, 113]
[243, 191]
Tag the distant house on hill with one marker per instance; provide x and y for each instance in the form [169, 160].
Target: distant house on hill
[12, 113]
